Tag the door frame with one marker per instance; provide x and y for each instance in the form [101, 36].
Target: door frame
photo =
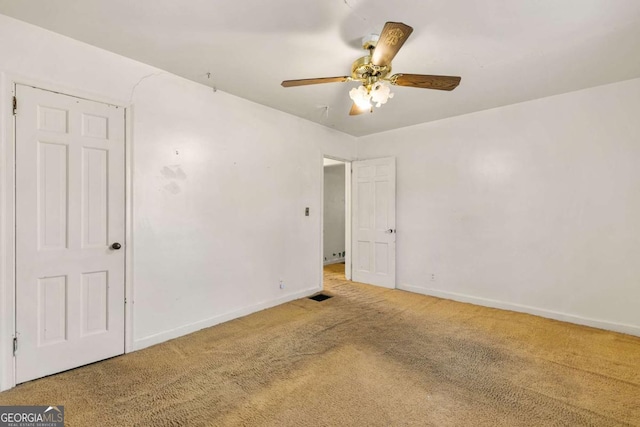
[347, 217]
[8, 283]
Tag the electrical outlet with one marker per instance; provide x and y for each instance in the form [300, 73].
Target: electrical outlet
[433, 277]
[281, 284]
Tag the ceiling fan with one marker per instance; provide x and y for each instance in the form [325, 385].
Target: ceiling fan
[372, 71]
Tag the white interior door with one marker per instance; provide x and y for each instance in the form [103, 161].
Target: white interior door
[69, 213]
[374, 221]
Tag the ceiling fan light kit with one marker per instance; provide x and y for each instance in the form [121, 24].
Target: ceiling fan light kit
[366, 97]
[380, 93]
[360, 96]
[372, 71]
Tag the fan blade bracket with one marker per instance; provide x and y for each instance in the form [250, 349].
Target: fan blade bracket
[425, 81]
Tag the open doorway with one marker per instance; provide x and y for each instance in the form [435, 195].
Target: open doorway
[336, 230]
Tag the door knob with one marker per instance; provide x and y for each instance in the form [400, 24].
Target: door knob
[116, 246]
[389, 231]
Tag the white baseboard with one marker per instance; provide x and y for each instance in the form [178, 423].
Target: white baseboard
[334, 261]
[158, 338]
[550, 314]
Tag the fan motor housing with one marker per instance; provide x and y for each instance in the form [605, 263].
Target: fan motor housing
[363, 70]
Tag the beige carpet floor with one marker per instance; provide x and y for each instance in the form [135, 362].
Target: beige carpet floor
[366, 357]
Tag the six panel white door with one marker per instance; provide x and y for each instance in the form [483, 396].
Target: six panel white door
[374, 222]
[69, 211]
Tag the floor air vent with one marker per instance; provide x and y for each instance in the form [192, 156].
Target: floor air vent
[320, 297]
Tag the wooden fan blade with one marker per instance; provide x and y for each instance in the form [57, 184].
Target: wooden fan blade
[355, 110]
[304, 82]
[393, 36]
[425, 81]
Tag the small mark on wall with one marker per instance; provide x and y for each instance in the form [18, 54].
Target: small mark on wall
[172, 188]
[173, 172]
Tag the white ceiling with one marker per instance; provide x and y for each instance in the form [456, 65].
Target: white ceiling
[506, 51]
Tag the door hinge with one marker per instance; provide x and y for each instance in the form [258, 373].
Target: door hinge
[15, 105]
[15, 345]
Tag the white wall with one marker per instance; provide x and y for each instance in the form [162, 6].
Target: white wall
[219, 188]
[533, 207]
[334, 211]
[220, 223]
